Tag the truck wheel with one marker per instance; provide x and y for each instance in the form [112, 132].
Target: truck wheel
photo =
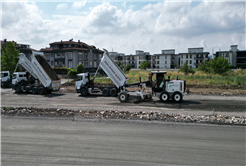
[113, 92]
[164, 96]
[34, 90]
[18, 89]
[41, 90]
[123, 97]
[83, 92]
[105, 92]
[177, 97]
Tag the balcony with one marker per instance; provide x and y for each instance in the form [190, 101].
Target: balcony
[196, 64]
[61, 58]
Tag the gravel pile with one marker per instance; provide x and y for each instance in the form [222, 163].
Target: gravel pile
[126, 115]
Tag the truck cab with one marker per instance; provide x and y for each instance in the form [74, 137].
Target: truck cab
[82, 79]
[18, 77]
[5, 79]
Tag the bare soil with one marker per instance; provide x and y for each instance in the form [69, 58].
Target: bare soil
[225, 90]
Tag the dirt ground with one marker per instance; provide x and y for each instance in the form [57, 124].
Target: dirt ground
[224, 90]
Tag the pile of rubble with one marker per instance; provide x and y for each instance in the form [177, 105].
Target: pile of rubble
[126, 115]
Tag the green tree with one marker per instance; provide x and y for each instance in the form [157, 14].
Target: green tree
[144, 65]
[80, 68]
[220, 65]
[119, 64]
[71, 72]
[127, 67]
[205, 67]
[9, 59]
[186, 69]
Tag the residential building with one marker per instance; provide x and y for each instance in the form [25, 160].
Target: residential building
[236, 58]
[134, 60]
[167, 59]
[193, 57]
[70, 53]
[23, 48]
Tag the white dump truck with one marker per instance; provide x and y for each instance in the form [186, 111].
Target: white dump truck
[39, 77]
[164, 89]
[5, 79]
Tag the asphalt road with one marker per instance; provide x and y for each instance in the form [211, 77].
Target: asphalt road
[28, 142]
[192, 104]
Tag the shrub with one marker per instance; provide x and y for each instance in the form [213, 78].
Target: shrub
[186, 69]
[80, 68]
[72, 72]
[127, 68]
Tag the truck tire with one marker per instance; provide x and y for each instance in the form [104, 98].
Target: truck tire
[83, 92]
[105, 92]
[18, 89]
[34, 90]
[113, 92]
[164, 96]
[41, 90]
[177, 97]
[123, 97]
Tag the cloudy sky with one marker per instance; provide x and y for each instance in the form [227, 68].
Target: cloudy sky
[126, 26]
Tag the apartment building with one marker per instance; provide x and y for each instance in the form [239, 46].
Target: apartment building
[167, 59]
[193, 57]
[23, 48]
[70, 53]
[134, 60]
[236, 57]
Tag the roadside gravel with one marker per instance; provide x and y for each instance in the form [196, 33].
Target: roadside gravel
[124, 115]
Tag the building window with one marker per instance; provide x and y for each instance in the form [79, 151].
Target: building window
[52, 63]
[165, 62]
[86, 55]
[186, 56]
[158, 62]
[181, 56]
[86, 63]
[70, 55]
[80, 62]
[190, 56]
[157, 57]
[181, 62]
[80, 55]
[90, 63]
[55, 63]
[165, 56]
[187, 61]
[190, 61]
[95, 56]
[95, 63]
[70, 64]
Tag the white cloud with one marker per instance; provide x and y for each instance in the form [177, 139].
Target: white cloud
[62, 6]
[78, 5]
[152, 28]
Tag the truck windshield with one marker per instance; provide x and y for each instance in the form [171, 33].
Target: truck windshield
[14, 76]
[4, 75]
[79, 77]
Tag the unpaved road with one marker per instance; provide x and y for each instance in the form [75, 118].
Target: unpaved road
[192, 104]
[28, 142]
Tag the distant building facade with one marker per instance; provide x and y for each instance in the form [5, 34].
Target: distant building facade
[70, 53]
[23, 48]
[167, 59]
[193, 57]
[236, 58]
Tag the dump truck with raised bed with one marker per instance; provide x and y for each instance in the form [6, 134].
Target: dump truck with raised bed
[164, 89]
[39, 77]
[5, 79]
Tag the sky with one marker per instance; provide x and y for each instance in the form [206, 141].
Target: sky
[127, 26]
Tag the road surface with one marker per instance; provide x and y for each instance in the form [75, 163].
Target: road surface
[192, 104]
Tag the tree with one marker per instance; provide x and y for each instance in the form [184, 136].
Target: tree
[71, 72]
[220, 65]
[119, 64]
[9, 59]
[205, 67]
[127, 67]
[80, 68]
[186, 69]
[144, 65]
